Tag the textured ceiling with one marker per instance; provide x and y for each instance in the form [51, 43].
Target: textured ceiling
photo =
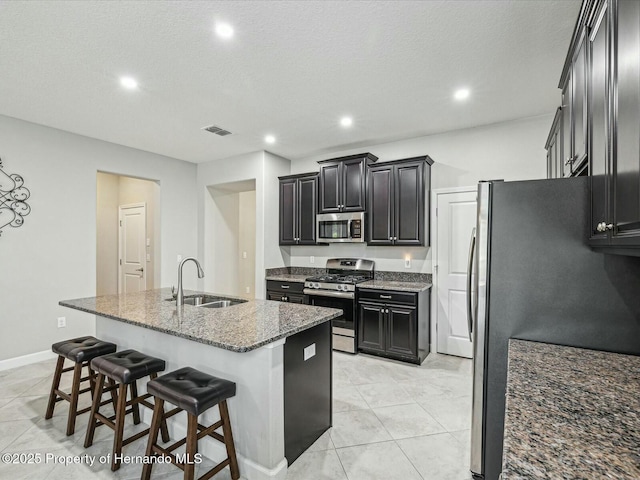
[292, 70]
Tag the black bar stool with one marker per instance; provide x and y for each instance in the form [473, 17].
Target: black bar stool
[194, 392]
[125, 368]
[80, 351]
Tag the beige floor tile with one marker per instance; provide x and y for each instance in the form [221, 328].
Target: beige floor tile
[317, 465]
[24, 408]
[357, 427]
[453, 413]
[437, 457]
[384, 394]
[10, 431]
[380, 461]
[403, 421]
[346, 398]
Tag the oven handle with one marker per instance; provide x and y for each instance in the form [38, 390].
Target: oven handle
[328, 293]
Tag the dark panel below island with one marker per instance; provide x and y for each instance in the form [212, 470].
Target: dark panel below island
[307, 389]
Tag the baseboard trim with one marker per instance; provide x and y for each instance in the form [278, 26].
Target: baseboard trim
[26, 359]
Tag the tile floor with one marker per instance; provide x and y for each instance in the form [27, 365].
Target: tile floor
[390, 421]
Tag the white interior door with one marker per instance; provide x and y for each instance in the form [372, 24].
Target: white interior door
[133, 252]
[456, 219]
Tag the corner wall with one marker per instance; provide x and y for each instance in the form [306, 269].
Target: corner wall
[53, 255]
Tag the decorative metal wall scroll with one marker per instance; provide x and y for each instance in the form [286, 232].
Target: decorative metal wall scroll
[13, 196]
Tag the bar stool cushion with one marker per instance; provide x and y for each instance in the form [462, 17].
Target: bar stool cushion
[191, 390]
[127, 366]
[83, 349]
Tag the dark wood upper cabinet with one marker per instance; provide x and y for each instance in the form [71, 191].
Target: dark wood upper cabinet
[398, 194]
[598, 102]
[624, 212]
[601, 76]
[298, 208]
[343, 183]
[380, 217]
[554, 147]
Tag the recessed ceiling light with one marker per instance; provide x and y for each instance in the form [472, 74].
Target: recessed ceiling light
[270, 139]
[224, 30]
[461, 94]
[346, 121]
[129, 83]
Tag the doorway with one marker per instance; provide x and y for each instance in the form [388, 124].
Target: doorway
[230, 239]
[456, 212]
[127, 234]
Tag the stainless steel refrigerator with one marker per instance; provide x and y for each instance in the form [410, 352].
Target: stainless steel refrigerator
[536, 279]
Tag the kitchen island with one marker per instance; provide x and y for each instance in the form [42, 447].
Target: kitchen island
[260, 345]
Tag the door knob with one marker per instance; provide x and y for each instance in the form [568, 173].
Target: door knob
[140, 270]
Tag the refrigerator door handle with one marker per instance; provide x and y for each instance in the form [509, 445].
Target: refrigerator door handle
[470, 319]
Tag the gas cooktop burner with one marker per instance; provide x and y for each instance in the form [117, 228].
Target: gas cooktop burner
[338, 279]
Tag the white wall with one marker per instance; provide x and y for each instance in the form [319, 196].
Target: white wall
[264, 169]
[510, 151]
[108, 192]
[247, 244]
[53, 256]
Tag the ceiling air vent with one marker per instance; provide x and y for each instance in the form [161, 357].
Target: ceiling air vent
[217, 130]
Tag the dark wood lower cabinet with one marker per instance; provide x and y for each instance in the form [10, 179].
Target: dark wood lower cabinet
[285, 291]
[372, 322]
[394, 330]
[402, 334]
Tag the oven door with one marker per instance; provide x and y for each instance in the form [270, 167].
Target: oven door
[344, 327]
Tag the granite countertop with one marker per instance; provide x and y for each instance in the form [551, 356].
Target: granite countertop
[239, 328]
[396, 285]
[288, 277]
[571, 413]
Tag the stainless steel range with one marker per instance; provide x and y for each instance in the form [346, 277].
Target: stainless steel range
[337, 289]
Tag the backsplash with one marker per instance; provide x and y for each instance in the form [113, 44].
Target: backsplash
[378, 275]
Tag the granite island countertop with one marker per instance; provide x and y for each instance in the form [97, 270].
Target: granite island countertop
[571, 413]
[239, 328]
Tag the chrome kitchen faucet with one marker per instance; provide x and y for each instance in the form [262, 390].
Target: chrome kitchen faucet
[180, 295]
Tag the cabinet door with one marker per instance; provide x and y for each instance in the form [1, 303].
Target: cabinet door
[598, 124]
[626, 147]
[409, 204]
[578, 109]
[564, 164]
[275, 296]
[330, 188]
[380, 221]
[288, 212]
[307, 207]
[353, 181]
[371, 327]
[293, 298]
[402, 331]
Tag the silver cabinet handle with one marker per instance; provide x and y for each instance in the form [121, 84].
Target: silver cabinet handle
[570, 160]
[395, 238]
[386, 296]
[285, 286]
[391, 238]
[472, 247]
[608, 226]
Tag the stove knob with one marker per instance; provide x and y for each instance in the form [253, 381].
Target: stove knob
[316, 285]
[339, 287]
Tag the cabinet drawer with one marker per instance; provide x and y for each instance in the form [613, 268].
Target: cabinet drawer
[387, 296]
[290, 287]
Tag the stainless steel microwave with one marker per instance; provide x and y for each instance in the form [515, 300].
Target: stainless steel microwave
[340, 227]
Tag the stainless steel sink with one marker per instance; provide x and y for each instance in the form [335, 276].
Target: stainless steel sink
[211, 301]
